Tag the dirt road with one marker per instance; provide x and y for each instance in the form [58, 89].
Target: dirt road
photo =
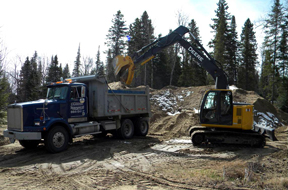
[154, 162]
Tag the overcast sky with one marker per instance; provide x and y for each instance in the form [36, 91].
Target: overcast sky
[56, 27]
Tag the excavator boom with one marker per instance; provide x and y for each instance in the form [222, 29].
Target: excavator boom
[122, 69]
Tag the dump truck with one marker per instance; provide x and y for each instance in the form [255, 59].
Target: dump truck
[75, 107]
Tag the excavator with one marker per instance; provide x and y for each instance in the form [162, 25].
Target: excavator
[222, 121]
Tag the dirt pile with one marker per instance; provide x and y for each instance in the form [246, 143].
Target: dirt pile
[117, 85]
[176, 109]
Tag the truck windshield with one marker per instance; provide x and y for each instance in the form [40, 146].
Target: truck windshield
[57, 92]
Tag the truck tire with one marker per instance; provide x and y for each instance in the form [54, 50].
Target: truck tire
[126, 130]
[56, 139]
[142, 127]
[29, 144]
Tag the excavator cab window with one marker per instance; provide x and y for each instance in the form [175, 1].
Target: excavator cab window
[226, 107]
[217, 108]
[209, 109]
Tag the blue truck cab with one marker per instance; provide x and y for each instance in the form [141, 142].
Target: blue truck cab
[75, 107]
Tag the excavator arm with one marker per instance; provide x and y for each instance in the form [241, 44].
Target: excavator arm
[125, 66]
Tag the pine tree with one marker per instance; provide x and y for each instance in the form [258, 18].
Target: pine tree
[220, 28]
[147, 32]
[54, 71]
[99, 64]
[116, 35]
[115, 42]
[77, 65]
[141, 33]
[66, 72]
[272, 40]
[161, 70]
[134, 44]
[198, 74]
[4, 86]
[109, 67]
[232, 56]
[266, 82]
[248, 47]
[282, 100]
[34, 81]
[23, 89]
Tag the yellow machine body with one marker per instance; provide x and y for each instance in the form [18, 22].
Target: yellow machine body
[242, 118]
[219, 111]
[124, 67]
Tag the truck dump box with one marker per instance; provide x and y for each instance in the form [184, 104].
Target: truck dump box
[105, 102]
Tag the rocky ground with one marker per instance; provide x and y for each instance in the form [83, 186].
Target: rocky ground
[165, 159]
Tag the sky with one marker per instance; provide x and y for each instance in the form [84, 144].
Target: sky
[57, 27]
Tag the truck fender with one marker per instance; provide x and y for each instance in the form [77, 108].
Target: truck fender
[58, 121]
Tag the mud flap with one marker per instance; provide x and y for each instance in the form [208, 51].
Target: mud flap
[263, 130]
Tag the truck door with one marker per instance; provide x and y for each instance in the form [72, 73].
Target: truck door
[78, 104]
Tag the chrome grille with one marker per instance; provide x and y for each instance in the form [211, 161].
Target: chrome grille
[15, 118]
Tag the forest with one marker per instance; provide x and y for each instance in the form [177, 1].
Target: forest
[266, 74]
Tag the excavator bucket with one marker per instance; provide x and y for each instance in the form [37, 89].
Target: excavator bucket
[124, 68]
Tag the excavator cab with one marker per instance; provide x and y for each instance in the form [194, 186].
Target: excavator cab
[217, 107]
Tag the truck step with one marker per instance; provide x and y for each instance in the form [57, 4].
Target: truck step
[88, 134]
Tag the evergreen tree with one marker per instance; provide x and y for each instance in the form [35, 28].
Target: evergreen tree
[77, 65]
[248, 47]
[109, 67]
[134, 44]
[34, 81]
[23, 91]
[66, 72]
[4, 86]
[99, 64]
[54, 71]
[282, 100]
[116, 35]
[161, 70]
[272, 41]
[115, 42]
[221, 30]
[141, 33]
[232, 56]
[147, 32]
[192, 72]
[266, 81]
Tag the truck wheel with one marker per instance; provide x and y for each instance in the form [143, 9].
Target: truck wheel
[29, 144]
[126, 130]
[56, 140]
[142, 127]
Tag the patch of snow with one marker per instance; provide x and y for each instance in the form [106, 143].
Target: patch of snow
[268, 119]
[196, 110]
[176, 113]
[180, 98]
[179, 141]
[233, 87]
[165, 101]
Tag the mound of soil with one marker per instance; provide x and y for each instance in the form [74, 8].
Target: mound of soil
[175, 109]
